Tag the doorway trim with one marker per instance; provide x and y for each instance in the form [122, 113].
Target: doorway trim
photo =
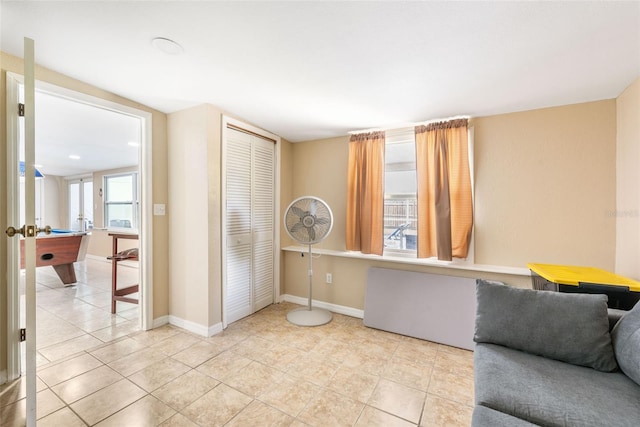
[146, 208]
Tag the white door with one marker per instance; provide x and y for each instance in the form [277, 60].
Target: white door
[22, 128]
[249, 223]
[80, 193]
[238, 226]
[262, 229]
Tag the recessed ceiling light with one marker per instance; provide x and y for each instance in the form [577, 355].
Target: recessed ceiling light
[167, 46]
[74, 157]
[37, 166]
[134, 144]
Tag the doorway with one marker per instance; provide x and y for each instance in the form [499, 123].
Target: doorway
[71, 190]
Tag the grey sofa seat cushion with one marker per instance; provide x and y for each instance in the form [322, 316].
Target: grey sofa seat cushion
[553, 393]
[626, 344]
[573, 328]
[487, 417]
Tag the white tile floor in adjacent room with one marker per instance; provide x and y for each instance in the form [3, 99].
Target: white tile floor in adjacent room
[260, 371]
[77, 317]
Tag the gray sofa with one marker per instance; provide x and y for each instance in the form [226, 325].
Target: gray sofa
[552, 359]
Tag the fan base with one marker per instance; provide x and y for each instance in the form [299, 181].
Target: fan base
[306, 317]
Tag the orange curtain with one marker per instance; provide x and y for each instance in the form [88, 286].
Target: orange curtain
[365, 193]
[445, 211]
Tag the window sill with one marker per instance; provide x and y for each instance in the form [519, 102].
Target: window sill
[516, 271]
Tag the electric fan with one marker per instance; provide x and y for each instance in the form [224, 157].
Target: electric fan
[308, 220]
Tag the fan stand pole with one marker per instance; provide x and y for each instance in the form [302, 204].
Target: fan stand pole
[310, 276]
[309, 316]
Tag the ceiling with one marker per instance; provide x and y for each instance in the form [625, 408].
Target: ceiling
[308, 70]
[74, 138]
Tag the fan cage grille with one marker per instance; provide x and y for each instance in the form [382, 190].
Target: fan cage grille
[308, 220]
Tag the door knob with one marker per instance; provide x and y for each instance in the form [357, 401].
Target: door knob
[27, 230]
[12, 231]
[45, 230]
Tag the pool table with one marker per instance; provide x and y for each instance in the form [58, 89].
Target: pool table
[60, 249]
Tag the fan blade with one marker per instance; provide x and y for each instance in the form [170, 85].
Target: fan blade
[312, 233]
[296, 210]
[322, 221]
[297, 226]
[313, 207]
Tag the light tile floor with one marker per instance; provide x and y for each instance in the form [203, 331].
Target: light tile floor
[260, 371]
[78, 317]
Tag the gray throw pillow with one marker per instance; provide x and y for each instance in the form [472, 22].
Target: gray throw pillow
[626, 343]
[570, 327]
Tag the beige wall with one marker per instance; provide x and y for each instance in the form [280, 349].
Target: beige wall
[188, 215]
[195, 215]
[320, 170]
[159, 149]
[214, 197]
[544, 183]
[54, 206]
[286, 197]
[627, 211]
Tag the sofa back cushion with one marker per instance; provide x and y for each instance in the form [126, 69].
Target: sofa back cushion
[570, 327]
[626, 343]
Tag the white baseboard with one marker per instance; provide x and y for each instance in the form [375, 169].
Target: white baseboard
[3, 376]
[217, 328]
[189, 325]
[335, 308]
[160, 321]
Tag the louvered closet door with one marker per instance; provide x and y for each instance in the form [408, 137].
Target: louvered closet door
[238, 218]
[249, 223]
[263, 222]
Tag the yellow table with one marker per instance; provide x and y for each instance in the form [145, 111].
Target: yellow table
[621, 290]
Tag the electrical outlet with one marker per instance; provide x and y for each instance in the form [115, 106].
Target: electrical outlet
[329, 278]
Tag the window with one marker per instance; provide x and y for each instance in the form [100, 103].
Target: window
[400, 197]
[400, 203]
[121, 206]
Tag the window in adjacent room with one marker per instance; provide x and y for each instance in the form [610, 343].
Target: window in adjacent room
[121, 206]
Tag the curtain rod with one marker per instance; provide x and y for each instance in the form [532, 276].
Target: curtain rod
[408, 125]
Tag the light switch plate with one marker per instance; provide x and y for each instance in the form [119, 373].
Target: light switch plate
[159, 209]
